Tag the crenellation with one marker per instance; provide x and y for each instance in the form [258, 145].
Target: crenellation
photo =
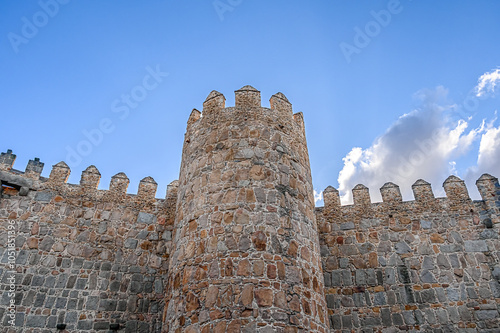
[7, 160]
[422, 191]
[391, 194]
[59, 173]
[489, 189]
[455, 189]
[299, 119]
[172, 189]
[215, 102]
[331, 198]
[34, 169]
[90, 178]
[280, 103]
[119, 184]
[193, 117]
[238, 246]
[361, 195]
[247, 97]
[147, 189]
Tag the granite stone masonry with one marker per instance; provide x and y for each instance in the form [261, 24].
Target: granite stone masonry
[237, 245]
[429, 265]
[246, 250]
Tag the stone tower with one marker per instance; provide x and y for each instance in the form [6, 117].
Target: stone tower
[246, 251]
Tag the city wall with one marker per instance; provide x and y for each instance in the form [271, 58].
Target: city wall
[429, 265]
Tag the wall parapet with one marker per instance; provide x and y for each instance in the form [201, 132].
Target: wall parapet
[249, 99]
[31, 179]
[457, 196]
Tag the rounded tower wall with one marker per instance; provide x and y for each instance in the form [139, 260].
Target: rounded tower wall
[246, 242]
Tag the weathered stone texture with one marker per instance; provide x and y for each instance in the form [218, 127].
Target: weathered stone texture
[246, 246]
[427, 265]
[84, 257]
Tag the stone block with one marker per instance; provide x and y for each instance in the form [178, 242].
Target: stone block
[476, 246]
[347, 226]
[92, 302]
[146, 218]
[409, 318]
[107, 305]
[330, 301]
[36, 321]
[428, 296]
[390, 275]
[371, 278]
[359, 299]
[360, 277]
[336, 278]
[427, 277]
[136, 287]
[101, 325]
[346, 321]
[442, 316]
[72, 303]
[371, 321]
[379, 299]
[43, 196]
[39, 300]
[386, 317]
[49, 302]
[344, 262]
[61, 303]
[130, 243]
[84, 324]
[402, 248]
[430, 316]
[453, 294]
[424, 224]
[451, 248]
[489, 234]
[453, 314]
[486, 314]
[346, 277]
[464, 313]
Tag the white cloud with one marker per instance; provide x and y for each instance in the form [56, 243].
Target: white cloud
[318, 196]
[489, 149]
[421, 144]
[488, 160]
[487, 83]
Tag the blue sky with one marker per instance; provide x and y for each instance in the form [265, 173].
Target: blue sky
[376, 81]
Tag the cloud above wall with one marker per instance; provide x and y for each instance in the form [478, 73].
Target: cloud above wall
[488, 159]
[487, 83]
[424, 143]
[318, 196]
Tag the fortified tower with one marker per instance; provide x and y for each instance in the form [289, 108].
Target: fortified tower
[246, 251]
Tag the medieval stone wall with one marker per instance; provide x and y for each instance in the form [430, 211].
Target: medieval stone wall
[428, 265]
[84, 257]
[237, 245]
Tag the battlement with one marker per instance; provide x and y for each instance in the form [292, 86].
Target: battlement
[31, 179]
[246, 98]
[457, 198]
[454, 187]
